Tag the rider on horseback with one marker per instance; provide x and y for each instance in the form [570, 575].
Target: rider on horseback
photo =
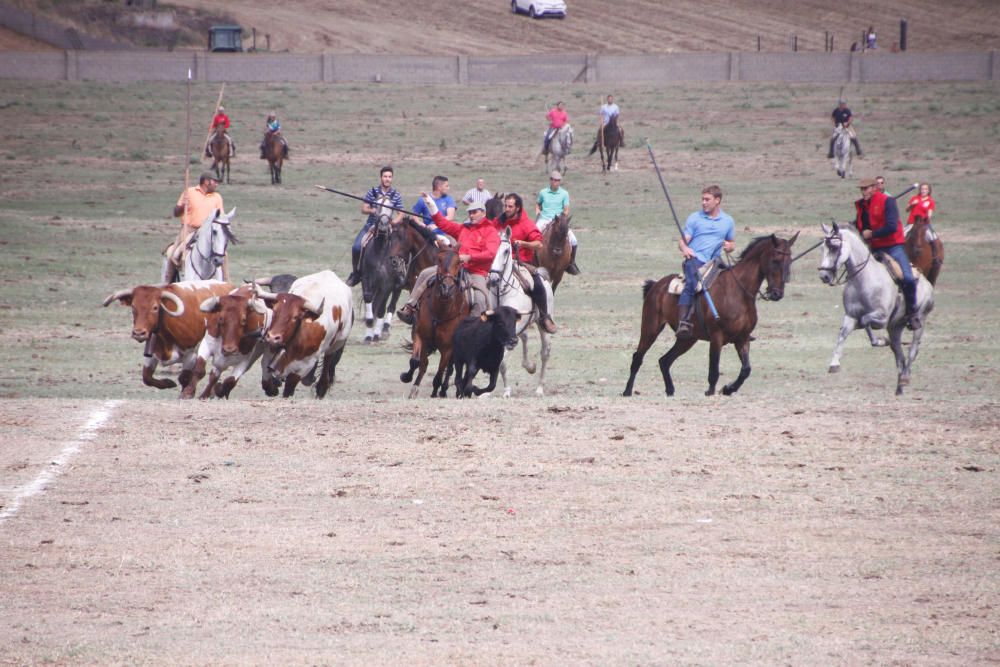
[273, 127]
[557, 117]
[706, 234]
[551, 202]
[879, 224]
[526, 239]
[196, 205]
[478, 241]
[220, 123]
[371, 207]
[609, 111]
[842, 116]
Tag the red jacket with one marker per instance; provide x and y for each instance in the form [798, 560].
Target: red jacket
[220, 119]
[523, 229]
[878, 223]
[480, 242]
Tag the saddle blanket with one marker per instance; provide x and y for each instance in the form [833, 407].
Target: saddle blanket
[708, 273]
[894, 269]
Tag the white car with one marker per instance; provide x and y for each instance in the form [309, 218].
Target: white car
[537, 9]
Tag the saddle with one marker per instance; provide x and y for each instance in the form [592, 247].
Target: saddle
[706, 276]
[893, 267]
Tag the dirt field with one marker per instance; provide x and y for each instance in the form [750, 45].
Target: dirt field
[810, 519]
[592, 26]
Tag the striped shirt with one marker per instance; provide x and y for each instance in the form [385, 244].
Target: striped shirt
[476, 195]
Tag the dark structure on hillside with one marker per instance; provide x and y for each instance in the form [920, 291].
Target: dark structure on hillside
[225, 38]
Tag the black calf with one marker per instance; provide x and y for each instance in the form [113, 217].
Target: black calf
[479, 344]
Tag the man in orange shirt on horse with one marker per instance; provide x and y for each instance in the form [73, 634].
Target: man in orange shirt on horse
[195, 206]
[220, 123]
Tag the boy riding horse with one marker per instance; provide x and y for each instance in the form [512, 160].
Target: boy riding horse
[220, 123]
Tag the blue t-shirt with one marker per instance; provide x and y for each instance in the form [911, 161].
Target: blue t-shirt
[444, 202]
[552, 202]
[707, 234]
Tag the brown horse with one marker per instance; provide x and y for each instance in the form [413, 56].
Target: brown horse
[612, 139]
[275, 155]
[442, 308]
[926, 255]
[556, 252]
[219, 146]
[734, 293]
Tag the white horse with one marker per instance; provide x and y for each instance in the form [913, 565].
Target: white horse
[206, 249]
[510, 292]
[871, 298]
[843, 152]
[559, 147]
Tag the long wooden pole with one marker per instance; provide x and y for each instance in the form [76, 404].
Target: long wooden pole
[214, 111]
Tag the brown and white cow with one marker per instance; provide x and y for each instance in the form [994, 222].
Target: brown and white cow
[168, 319]
[309, 328]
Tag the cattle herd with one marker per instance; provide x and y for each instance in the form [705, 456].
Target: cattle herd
[296, 327]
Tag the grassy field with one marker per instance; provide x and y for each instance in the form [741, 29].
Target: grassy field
[92, 171]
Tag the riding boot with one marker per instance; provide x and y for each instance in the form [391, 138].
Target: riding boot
[684, 327]
[355, 276]
[912, 315]
[857, 146]
[208, 151]
[407, 314]
[573, 269]
[829, 153]
[540, 298]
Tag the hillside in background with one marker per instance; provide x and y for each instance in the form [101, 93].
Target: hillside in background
[487, 27]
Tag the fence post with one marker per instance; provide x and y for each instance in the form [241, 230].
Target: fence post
[463, 70]
[734, 66]
[795, 42]
[758, 42]
[902, 34]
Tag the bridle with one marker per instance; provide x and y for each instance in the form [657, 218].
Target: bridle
[835, 242]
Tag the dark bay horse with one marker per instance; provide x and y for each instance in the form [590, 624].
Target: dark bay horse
[380, 277]
[442, 308]
[219, 146]
[556, 252]
[609, 144]
[275, 155]
[926, 255]
[734, 293]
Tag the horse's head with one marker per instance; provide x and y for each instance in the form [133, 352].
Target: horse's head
[567, 136]
[503, 261]
[494, 206]
[833, 256]
[449, 269]
[777, 265]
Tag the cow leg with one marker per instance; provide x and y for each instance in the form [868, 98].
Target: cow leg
[148, 366]
[212, 388]
[223, 390]
[848, 325]
[291, 382]
[679, 347]
[460, 379]
[330, 362]
[743, 350]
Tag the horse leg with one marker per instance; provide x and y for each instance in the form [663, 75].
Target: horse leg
[848, 325]
[420, 376]
[507, 389]
[679, 347]
[544, 356]
[443, 374]
[369, 320]
[526, 363]
[902, 364]
[743, 350]
[646, 340]
[714, 353]
[876, 341]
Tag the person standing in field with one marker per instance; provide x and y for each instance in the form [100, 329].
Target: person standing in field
[477, 194]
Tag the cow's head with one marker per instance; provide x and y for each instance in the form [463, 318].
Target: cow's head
[238, 315]
[504, 321]
[149, 303]
[289, 313]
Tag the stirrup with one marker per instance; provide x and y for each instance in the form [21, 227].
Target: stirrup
[353, 279]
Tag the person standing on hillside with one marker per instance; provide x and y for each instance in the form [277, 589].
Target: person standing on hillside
[843, 116]
[477, 194]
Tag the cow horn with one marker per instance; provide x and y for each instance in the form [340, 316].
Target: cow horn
[170, 296]
[118, 295]
[315, 310]
[266, 296]
[266, 282]
[258, 305]
[210, 304]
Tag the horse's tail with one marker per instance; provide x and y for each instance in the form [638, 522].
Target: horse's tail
[646, 286]
[593, 148]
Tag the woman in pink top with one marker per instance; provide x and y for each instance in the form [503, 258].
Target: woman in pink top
[921, 205]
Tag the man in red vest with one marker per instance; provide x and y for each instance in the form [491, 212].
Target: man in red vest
[878, 223]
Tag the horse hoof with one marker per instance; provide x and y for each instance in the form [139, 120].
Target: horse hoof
[531, 369]
[710, 392]
[507, 392]
[834, 369]
[406, 377]
[727, 391]
[368, 340]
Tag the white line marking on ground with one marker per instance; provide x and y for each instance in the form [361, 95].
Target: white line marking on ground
[57, 464]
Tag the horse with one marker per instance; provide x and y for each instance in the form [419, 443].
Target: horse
[381, 277]
[843, 152]
[219, 147]
[556, 252]
[734, 293]
[871, 298]
[509, 291]
[275, 155]
[442, 308]
[559, 147]
[613, 137]
[925, 253]
[207, 248]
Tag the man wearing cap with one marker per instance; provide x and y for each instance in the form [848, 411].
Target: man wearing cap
[842, 116]
[706, 234]
[478, 242]
[878, 223]
[196, 205]
[526, 239]
[550, 203]
[220, 123]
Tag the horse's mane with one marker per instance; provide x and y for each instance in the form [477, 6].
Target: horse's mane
[753, 245]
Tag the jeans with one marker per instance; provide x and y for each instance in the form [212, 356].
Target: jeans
[898, 253]
[691, 277]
